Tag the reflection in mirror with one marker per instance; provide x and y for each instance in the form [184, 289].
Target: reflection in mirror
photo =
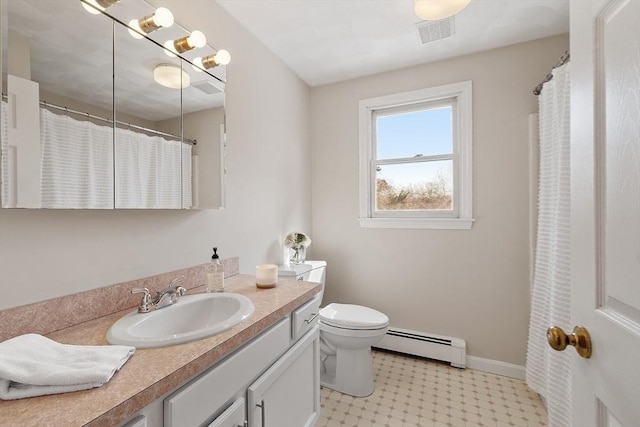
[70, 61]
[148, 165]
[38, 78]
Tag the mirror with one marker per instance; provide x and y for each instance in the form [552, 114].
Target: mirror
[95, 71]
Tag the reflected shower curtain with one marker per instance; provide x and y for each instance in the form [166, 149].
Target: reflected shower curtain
[78, 167]
[149, 171]
[548, 372]
[4, 158]
[77, 163]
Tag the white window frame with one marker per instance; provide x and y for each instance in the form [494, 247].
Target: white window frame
[461, 216]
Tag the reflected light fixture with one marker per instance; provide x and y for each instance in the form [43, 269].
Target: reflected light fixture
[171, 76]
[161, 18]
[183, 44]
[222, 57]
[435, 10]
[97, 6]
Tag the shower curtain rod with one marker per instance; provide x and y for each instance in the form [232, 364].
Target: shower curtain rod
[93, 116]
[563, 60]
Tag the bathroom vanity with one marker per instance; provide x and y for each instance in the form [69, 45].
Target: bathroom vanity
[271, 381]
[264, 372]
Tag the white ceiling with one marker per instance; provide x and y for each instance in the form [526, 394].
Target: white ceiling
[325, 41]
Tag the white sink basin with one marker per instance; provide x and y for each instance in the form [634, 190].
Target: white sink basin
[193, 317]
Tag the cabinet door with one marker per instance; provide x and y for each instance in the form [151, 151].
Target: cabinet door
[232, 417]
[199, 400]
[288, 393]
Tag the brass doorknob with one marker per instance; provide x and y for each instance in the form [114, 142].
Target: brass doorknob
[579, 339]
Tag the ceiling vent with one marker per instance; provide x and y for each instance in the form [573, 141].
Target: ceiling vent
[207, 87]
[436, 30]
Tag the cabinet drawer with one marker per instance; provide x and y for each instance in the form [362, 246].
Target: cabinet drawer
[198, 401]
[139, 421]
[304, 318]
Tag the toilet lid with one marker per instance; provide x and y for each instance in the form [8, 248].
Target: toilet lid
[353, 317]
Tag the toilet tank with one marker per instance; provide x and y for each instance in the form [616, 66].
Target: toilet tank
[309, 271]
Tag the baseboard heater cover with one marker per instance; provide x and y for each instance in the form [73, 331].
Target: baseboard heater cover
[437, 347]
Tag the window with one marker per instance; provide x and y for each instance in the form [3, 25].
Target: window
[415, 159]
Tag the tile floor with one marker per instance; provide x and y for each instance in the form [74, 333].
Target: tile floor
[414, 392]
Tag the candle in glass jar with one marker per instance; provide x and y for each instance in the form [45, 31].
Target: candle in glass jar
[266, 275]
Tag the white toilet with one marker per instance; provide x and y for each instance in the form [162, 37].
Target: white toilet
[347, 333]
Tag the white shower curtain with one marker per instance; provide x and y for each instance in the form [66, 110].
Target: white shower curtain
[77, 163]
[548, 372]
[149, 171]
[4, 157]
[78, 167]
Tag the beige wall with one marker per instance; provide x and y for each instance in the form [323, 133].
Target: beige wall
[47, 253]
[468, 284]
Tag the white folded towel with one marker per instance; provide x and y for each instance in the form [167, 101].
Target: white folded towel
[32, 365]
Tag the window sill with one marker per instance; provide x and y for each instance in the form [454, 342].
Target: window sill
[418, 223]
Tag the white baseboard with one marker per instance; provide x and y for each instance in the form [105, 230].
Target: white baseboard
[496, 367]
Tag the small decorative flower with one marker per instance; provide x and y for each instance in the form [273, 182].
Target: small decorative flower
[297, 240]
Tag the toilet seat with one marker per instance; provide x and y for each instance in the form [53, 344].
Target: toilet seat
[350, 316]
[353, 333]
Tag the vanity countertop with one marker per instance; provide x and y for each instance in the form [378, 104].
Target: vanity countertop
[151, 373]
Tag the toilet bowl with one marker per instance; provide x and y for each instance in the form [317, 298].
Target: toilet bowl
[347, 332]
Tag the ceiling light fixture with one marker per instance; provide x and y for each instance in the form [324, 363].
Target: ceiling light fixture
[161, 18]
[97, 6]
[434, 10]
[183, 44]
[171, 76]
[222, 57]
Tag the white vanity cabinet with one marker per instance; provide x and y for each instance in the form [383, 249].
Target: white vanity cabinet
[288, 393]
[272, 381]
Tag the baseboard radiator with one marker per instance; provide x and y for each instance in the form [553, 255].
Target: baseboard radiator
[438, 347]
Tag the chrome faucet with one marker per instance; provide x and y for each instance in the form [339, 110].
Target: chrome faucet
[164, 298]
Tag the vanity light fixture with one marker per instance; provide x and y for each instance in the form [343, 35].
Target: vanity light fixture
[222, 57]
[183, 44]
[161, 18]
[171, 76]
[97, 6]
[435, 10]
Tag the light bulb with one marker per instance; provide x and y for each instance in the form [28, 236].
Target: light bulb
[135, 30]
[163, 17]
[197, 65]
[169, 48]
[100, 5]
[197, 39]
[183, 44]
[93, 10]
[434, 10]
[222, 57]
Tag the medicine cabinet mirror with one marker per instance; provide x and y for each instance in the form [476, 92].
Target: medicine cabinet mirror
[68, 76]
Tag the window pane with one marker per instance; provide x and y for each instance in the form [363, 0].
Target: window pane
[415, 186]
[427, 132]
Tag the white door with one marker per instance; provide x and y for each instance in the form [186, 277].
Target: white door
[605, 219]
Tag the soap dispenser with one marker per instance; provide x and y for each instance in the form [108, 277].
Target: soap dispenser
[215, 274]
